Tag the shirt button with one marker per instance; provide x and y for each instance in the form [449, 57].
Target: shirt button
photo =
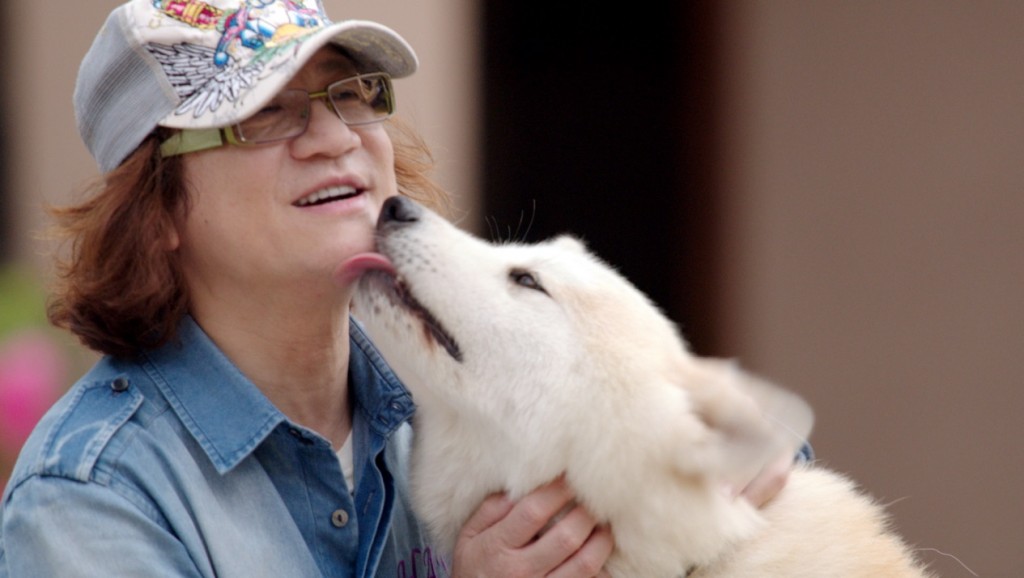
[119, 385]
[339, 518]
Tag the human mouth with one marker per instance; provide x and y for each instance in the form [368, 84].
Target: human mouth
[327, 195]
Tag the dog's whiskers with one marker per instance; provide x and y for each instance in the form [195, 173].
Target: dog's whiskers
[519, 235]
[529, 225]
[941, 553]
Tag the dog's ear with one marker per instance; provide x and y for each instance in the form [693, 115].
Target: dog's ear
[789, 414]
[751, 421]
[570, 242]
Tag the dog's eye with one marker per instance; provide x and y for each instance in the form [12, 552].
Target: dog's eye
[526, 279]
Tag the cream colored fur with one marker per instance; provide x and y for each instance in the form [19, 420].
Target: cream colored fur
[581, 375]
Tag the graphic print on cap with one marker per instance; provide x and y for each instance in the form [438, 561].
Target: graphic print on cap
[227, 49]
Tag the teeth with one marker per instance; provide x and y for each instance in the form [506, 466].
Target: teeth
[331, 193]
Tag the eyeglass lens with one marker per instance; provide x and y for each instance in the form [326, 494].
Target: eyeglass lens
[358, 100]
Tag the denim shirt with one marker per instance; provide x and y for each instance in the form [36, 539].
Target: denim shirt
[175, 464]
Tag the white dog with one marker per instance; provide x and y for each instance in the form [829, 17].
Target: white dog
[531, 361]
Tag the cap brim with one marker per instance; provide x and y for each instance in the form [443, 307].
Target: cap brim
[242, 88]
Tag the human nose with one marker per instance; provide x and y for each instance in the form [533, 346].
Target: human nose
[326, 134]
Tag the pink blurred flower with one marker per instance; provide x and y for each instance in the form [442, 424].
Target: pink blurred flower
[32, 373]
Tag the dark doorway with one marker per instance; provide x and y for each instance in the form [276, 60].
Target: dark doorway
[599, 122]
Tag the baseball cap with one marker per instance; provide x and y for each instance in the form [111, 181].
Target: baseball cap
[207, 64]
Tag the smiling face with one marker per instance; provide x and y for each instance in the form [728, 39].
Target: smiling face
[276, 219]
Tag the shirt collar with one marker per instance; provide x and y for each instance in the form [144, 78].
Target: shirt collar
[229, 416]
[376, 390]
[219, 406]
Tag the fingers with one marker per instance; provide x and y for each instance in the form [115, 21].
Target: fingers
[480, 550]
[588, 560]
[534, 512]
[503, 538]
[493, 509]
[769, 482]
[560, 543]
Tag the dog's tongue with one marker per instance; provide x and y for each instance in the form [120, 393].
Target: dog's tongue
[354, 267]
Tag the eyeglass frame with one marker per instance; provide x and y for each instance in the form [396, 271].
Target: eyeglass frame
[194, 140]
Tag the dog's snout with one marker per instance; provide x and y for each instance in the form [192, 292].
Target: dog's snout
[399, 210]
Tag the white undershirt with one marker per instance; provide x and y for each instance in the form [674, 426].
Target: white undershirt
[347, 467]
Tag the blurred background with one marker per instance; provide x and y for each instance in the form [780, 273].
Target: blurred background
[830, 191]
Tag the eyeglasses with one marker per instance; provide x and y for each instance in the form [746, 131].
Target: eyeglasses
[359, 100]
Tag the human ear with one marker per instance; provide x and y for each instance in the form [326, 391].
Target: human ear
[171, 240]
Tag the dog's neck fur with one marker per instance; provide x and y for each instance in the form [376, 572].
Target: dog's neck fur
[517, 461]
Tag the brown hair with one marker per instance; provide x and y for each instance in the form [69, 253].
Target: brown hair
[119, 289]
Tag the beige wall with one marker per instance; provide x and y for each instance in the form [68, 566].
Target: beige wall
[874, 186]
[874, 202]
[52, 37]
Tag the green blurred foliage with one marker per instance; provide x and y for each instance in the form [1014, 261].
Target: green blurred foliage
[22, 300]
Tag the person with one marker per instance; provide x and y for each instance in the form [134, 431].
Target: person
[239, 423]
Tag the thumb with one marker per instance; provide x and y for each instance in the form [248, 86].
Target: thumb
[491, 511]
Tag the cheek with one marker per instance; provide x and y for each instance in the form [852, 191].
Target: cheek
[227, 176]
[216, 187]
[382, 150]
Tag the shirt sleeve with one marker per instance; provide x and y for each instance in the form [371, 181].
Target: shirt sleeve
[806, 454]
[54, 526]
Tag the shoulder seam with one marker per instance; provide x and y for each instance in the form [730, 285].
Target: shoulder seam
[108, 425]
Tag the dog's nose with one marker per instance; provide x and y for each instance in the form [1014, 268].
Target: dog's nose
[399, 210]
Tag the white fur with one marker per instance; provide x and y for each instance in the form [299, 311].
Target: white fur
[587, 378]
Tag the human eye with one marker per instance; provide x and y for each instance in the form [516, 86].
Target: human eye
[272, 110]
[353, 90]
[345, 95]
[276, 119]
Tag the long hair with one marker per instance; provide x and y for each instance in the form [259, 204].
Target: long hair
[118, 288]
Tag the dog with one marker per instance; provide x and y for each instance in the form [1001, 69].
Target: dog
[530, 362]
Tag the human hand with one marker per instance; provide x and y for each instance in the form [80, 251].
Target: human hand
[769, 482]
[514, 539]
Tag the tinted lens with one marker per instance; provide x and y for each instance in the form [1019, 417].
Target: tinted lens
[283, 117]
[363, 99]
